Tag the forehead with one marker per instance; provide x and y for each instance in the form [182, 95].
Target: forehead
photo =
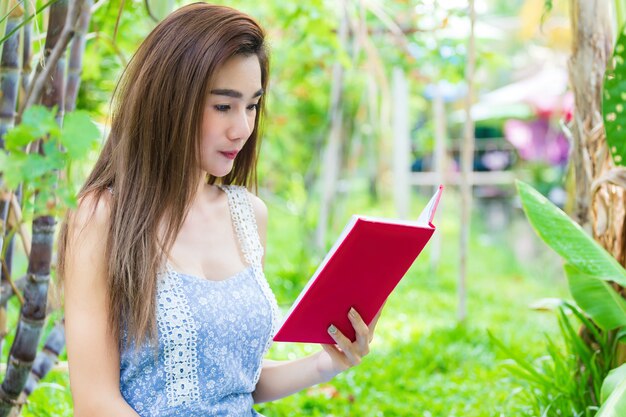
[241, 73]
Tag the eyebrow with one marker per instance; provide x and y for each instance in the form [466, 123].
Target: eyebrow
[234, 93]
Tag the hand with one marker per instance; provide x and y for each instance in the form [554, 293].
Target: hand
[346, 354]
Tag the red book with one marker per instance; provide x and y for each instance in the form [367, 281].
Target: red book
[363, 267]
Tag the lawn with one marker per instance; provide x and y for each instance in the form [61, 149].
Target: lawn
[423, 361]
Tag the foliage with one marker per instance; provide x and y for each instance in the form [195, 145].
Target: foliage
[59, 149]
[590, 270]
[558, 382]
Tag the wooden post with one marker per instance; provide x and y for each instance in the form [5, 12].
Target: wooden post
[467, 168]
[332, 152]
[401, 144]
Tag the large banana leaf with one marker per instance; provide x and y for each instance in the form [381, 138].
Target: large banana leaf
[612, 381]
[614, 97]
[615, 385]
[597, 298]
[567, 238]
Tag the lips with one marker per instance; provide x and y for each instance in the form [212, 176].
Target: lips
[230, 155]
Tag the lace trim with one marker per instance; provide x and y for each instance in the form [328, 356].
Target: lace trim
[180, 336]
[247, 231]
[244, 223]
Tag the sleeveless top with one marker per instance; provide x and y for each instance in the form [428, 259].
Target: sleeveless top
[212, 336]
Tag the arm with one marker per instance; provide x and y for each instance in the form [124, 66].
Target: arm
[92, 352]
[283, 378]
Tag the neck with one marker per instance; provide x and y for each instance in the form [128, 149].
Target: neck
[204, 190]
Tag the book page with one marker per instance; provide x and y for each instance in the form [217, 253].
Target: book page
[426, 217]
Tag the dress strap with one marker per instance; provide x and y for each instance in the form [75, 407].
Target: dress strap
[245, 225]
[244, 222]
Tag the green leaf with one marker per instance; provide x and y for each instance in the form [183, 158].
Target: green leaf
[79, 134]
[12, 169]
[597, 298]
[567, 238]
[615, 384]
[41, 120]
[614, 97]
[37, 122]
[611, 382]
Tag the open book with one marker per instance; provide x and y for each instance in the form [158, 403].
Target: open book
[363, 267]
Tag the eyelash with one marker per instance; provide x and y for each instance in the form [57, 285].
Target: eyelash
[225, 107]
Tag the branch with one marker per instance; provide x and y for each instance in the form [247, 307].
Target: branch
[16, 216]
[7, 275]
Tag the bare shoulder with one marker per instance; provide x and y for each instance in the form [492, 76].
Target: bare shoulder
[88, 226]
[93, 211]
[260, 213]
[259, 208]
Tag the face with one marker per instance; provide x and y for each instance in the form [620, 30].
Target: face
[229, 113]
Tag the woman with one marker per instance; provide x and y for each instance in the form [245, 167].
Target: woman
[167, 310]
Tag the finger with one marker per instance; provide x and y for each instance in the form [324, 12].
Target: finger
[374, 321]
[344, 344]
[361, 330]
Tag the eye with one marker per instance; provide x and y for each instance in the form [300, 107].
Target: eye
[222, 107]
[253, 107]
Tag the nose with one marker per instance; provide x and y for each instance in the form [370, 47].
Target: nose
[242, 126]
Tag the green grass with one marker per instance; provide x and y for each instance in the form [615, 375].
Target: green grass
[423, 361]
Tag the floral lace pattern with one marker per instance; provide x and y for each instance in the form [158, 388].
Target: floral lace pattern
[178, 330]
[244, 221]
[212, 336]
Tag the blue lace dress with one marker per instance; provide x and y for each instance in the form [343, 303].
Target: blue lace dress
[212, 336]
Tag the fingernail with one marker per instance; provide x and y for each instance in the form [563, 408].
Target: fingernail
[332, 329]
[352, 312]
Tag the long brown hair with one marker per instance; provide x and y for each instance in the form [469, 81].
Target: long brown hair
[150, 159]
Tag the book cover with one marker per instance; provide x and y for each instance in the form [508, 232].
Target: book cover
[365, 264]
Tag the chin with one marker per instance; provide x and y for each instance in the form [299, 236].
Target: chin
[219, 173]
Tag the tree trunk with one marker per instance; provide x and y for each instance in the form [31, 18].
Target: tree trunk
[591, 50]
[601, 213]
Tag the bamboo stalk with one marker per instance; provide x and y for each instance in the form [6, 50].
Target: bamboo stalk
[32, 315]
[77, 50]
[27, 48]
[9, 84]
[9, 75]
[62, 20]
[47, 358]
[52, 53]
